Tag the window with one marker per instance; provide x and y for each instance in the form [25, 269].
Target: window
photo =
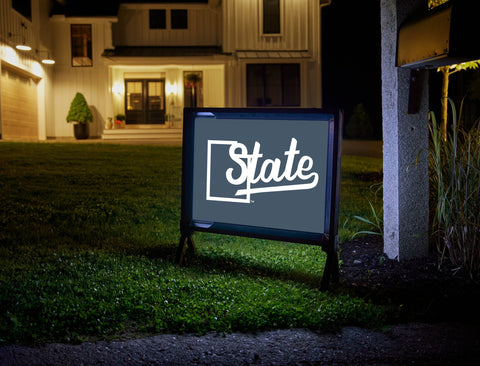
[271, 16]
[24, 7]
[158, 19]
[179, 18]
[81, 44]
[270, 85]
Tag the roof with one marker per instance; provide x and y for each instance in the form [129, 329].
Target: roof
[164, 1]
[158, 51]
[101, 8]
[282, 54]
[85, 8]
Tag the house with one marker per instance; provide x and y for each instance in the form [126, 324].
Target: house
[147, 60]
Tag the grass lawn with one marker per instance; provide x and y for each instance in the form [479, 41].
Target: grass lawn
[88, 234]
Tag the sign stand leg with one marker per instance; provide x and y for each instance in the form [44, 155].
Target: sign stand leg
[186, 241]
[331, 271]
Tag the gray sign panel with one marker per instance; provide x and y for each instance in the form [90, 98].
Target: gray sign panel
[267, 173]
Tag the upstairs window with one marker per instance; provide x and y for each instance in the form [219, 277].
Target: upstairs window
[81, 44]
[271, 16]
[179, 18]
[158, 19]
[24, 7]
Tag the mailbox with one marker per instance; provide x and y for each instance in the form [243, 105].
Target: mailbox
[445, 36]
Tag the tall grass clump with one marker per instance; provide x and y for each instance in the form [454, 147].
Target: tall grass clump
[455, 186]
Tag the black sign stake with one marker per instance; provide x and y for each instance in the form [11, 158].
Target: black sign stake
[186, 242]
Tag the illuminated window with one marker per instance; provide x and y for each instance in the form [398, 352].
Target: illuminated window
[158, 19]
[81, 43]
[271, 16]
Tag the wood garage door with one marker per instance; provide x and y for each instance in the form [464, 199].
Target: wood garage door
[19, 105]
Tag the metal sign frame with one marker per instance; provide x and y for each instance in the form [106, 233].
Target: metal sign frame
[327, 239]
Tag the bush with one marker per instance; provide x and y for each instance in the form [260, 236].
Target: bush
[455, 185]
[79, 110]
[359, 125]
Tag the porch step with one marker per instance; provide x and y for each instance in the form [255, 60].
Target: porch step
[147, 133]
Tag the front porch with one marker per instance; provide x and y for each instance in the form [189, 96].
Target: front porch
[144, 132]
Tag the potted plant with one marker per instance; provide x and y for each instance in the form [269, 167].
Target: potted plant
[120, 120]
[192, 81]
[81, 115]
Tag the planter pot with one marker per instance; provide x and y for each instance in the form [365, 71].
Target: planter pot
[81, 131]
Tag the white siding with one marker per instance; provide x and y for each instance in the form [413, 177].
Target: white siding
[133, 28]
[214, 88]
[243, 31]
[299, 36]
[92, 81]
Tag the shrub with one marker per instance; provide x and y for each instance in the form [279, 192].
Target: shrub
[359, 125]
[455, 185]
[79, 110]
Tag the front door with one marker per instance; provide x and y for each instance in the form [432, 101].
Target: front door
[145, 101]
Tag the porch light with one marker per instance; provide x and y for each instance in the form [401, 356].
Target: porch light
[118, 88]
[172, 88]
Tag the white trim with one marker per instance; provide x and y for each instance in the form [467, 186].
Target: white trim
[153, 6]
[281, 55]
[83, 20]
[165, 61]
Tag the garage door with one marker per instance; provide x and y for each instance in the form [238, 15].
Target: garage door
[19, 105]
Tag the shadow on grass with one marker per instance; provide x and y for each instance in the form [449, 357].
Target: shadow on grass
[214, 262]
[249, 267]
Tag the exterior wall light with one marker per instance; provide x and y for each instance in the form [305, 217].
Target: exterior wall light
[22, 44]
[46, 60]
[23, 47]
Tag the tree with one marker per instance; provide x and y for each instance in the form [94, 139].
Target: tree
[446, 72]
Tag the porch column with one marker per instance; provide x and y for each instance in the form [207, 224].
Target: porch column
[405, 184]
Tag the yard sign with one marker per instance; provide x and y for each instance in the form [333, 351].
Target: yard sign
[264, 173]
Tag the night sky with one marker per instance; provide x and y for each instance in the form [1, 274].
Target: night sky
[351, 57]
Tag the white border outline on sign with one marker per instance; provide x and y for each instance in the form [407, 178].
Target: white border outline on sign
[209, 154]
